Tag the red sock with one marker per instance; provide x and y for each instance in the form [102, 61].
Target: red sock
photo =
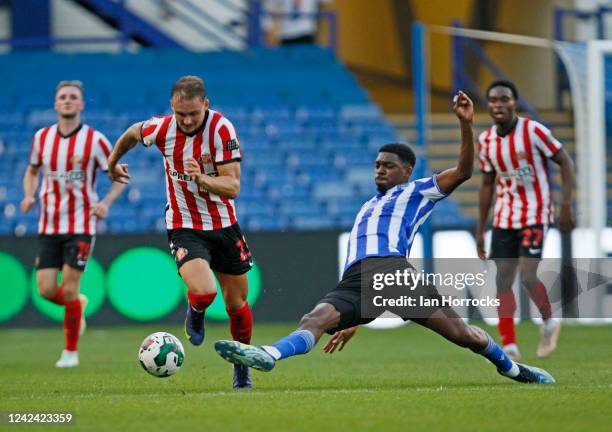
[200, 301]
[241, 323]
[72, 323]
[58, 298]
[505, 310]
[540, 298]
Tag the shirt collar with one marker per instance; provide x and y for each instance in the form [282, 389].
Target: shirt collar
[395, 188]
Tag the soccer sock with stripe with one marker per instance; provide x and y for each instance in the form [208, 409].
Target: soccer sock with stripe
[505, 310]
[200, 302]
[241, 323]
[72, 323]
[496, 355]
[298, 342]
[540, 297]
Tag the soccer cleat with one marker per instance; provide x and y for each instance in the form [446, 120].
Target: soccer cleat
[68, 359]
[243, 354]
[512, 352]
[194, 326]
[84, 301]
[242, 377]
[532, 375]
[549, 334]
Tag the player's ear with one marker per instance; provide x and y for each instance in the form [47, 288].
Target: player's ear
[206, 104]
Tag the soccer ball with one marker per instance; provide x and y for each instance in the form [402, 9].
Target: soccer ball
[161, 354]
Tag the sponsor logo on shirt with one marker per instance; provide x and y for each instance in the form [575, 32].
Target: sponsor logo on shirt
[522, 175]
[67, 176]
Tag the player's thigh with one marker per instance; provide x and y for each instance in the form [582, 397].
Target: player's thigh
[191, 252]
[198, 276]
[46, 281]
[234, 288]
[231, 254]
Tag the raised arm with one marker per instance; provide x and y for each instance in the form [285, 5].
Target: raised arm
[127, 141]
[226, 184]
[449, 179]
[485, 198]
[566, 216]
[30, 184]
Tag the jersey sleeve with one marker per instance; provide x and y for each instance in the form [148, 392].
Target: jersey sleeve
[150, 129]
[35, 156]
[484, 162]
[227, 146]
[428, 188]
[103, 151]
[544, 140]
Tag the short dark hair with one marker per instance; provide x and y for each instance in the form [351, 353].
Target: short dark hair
[70, 83]
[189, 87]
[403, 151]
[504, 83]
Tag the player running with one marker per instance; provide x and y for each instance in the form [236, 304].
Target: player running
[202, 165]
[514, 151]
[69, 153]
[384, 230]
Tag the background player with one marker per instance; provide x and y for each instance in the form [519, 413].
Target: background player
[69, 153]
[202, 164]
[515, 151]
[382, 234]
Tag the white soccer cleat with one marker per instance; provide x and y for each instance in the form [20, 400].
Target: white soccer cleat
[68, 359]
[512, 352]
[549, 335]
[84, 301]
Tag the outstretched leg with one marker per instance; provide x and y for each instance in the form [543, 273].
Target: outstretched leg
[312, 325]
[448, 324]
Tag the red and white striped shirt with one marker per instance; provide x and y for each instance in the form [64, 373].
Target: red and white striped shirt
[213, 144]
[69, 165]
[520, 161]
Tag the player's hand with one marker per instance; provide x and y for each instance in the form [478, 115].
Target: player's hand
[463, 107]
[26, 204]
[194, 170]
[119, 173]
[480, 246]
[340, 338]
[100, 210]
[567, 221]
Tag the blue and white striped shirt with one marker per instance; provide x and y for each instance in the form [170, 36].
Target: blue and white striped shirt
[387, 223]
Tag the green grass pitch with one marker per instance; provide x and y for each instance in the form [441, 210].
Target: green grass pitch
[404, 379]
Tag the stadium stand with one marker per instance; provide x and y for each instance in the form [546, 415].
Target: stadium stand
[308, 130]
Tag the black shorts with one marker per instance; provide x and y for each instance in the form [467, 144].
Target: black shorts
[514, 243]
[56, 250]
[225, 249]
[347, 295]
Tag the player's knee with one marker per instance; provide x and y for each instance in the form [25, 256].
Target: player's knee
[528, 280]
[312, 320]
[464, 336]
[46, 287]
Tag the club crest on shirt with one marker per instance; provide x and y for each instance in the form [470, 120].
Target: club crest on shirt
[77, 159]
[232, 145]
[181, 253]
[206, 159]
[521, 155]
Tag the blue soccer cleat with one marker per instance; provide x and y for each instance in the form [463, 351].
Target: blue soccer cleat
[242, 377]
[194, 326]
[246, 355]
[533, 375]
